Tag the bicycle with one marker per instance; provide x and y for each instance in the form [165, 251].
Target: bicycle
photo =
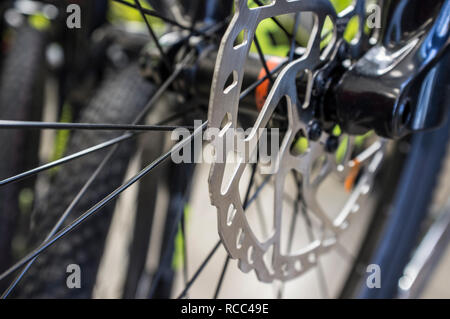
[339, 97]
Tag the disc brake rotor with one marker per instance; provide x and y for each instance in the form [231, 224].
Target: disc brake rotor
[234, 229]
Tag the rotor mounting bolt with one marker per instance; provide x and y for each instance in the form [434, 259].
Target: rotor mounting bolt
[332, 144]
[314, 131]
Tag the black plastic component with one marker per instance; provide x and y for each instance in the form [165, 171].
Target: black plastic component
[390, 89]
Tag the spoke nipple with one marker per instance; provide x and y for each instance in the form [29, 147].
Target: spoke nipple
[332, 144]
[314, 131]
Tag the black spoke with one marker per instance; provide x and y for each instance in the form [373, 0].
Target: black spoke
[212, 252]
[296, 25]
[87, 126]
[63, 218]
[155, 14]
[66, 159]
[326, 35]
[152, 34]
[295, 211]
[321, 275]
[44, 246]
[278, 23]
[111, 142]
[258, 190]
[222, 276]
[311, 237]
[141, 115]
[250, 185]
[293, 224]
[207, 30]
[80, 154]
[58, 231]
[262, 58]
[199, 270]
[253, 86]
[253, 112]
[165, 259]
[69, 209]
[195, 15]
[163, 88]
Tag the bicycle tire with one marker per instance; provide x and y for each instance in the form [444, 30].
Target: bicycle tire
[119, 100]
[21, 98]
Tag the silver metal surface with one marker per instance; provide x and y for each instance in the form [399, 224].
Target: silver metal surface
[233, 226]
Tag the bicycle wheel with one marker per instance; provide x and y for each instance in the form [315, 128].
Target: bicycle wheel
[281, 222]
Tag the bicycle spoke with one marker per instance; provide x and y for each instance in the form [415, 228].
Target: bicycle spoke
[250, 185]
[296, 25]
[262, 58]
[293, 225]
[165, 259]
[321, 275]
[69, 210]
[63, 217]
[87, 126]
[166, 254]
[58, 231]
[80, 154]
[269, 74]
[54, 235]
[195, 15]
[44, 246]
[212, 252]
[152, 34]
[207, 31]
[200, 269]
[254, 85]
[163, 88]
[155, 14]
[253, 112]
[138, 119]
[278, 23]
[67, 159]
[324, 36]
[295, 212]
[258, 190]
[222, 276]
